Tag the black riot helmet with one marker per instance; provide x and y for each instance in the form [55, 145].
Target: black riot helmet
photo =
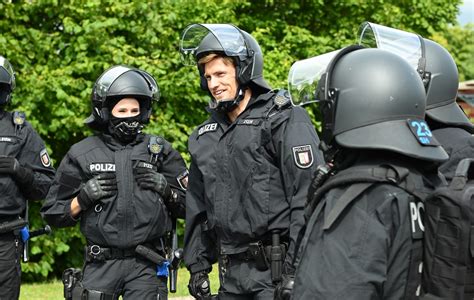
[442, 88]
[374, 99]
[7, 81]
[117, 83]
[199, 40]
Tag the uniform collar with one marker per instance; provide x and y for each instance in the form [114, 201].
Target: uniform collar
[222, 117]
[114, 144]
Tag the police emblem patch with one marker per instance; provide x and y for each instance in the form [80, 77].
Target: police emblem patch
[303, 156]
[45, 160]
[183, 180]
[19, 120]
[156, 148]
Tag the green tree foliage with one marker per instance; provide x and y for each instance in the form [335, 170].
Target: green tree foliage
[459, 41]
[58, 49]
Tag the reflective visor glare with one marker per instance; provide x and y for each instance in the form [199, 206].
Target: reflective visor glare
[192, 37]
[304, 77]
[230, 40]
[404, 44]
[106, 80]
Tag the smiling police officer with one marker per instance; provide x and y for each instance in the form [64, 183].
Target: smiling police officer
[252, 162]
[122, 185]
[26, 173]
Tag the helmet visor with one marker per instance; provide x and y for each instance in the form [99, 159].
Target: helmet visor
[405, 44]
[106, 79]
[304, 78]
[4, 63]
[153, 85]
[230, 39]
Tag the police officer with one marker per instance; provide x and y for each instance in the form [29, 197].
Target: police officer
[364, 233]
[438, 70]
[252, 160]
[26, 173]
[450, 125]
[122, 185]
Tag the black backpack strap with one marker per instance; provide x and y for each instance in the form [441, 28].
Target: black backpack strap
[349, 195]
[384, 173]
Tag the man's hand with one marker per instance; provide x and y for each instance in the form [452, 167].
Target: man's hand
[284, 289]
[199, 285]
[151, 180]
[10, 165]
[98, 187]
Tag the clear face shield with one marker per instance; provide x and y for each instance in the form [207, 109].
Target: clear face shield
[225, 37]
[5, 64]
[407, 45]
[305, 76]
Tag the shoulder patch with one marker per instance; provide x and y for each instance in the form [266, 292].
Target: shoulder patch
[303, 156]
[207, 128]
[183, 180]
[44, 157]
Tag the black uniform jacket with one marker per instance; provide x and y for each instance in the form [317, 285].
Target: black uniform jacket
[132, 216]
[23, 143]
[247, 179]
[367, 251]
[458, 143]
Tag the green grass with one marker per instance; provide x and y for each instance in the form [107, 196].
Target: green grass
[54, 290]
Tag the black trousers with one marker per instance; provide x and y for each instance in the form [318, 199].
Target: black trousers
[240, 280]
[132, 278]
[10, 268]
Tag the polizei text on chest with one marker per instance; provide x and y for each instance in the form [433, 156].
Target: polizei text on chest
[102, 167]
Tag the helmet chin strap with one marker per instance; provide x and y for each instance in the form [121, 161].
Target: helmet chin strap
[225, 106]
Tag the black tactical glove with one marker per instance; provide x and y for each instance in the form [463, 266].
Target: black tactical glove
[10, 165]
[284, 289]
[98, 187]
[199, 285]
[151, 180]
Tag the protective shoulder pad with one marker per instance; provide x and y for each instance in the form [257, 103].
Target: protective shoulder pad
[282, 99]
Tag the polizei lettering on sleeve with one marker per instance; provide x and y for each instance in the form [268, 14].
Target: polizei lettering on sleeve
[102, 167]
[207, 128]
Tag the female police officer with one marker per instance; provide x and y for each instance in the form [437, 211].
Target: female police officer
[122, 185]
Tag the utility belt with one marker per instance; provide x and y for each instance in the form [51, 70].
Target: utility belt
[96, 253]
[266, 256]
[11, 225]
[256, 251]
